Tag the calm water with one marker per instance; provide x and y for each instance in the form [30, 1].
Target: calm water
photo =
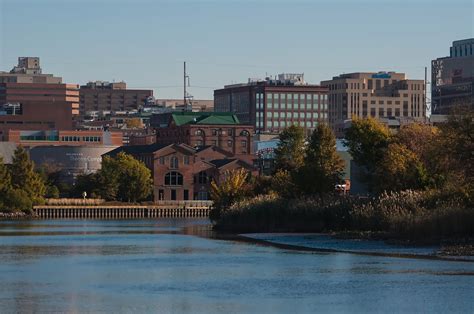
[161, 266]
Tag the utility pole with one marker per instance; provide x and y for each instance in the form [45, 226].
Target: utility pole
[184, 85]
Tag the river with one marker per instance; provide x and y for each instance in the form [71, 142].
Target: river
[176, 266]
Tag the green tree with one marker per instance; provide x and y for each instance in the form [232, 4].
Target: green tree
[5, 183]
[24, 177]
[124, 178]
[368, 140]
[289, 154]
[323, 167]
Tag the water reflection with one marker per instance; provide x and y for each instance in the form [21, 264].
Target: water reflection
[179, 265]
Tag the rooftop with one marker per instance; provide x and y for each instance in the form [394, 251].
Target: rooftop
[183, 118]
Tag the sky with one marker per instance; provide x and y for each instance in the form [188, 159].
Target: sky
[145, 43]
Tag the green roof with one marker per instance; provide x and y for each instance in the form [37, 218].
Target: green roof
[183, 118]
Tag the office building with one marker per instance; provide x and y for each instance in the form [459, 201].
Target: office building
[105, 96]
[28, 70]
[272, 104]
[382, 95]
[453, 79]
[31, 106]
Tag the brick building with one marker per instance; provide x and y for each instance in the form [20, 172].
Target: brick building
[199, 129]
[30, 138]
[105, 96]
[31, 106]
[181, 172]
[270, 105]
[379, 95]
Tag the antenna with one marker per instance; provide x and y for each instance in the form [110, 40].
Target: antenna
[186, 96]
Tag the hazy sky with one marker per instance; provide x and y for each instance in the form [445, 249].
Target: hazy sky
[145, 42]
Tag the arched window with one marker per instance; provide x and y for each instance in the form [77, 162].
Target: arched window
[244, 133]
[173, 178]
[174, 162]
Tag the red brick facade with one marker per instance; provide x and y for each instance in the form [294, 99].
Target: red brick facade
[181, 172]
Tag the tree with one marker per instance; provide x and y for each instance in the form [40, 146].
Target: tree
[368, 141]
[424, 141]
[24, 177]
[323, 167]
[289, 153]
[123, 178]
[227, 192]
[134, 123]
[401, 169]
[5, 182]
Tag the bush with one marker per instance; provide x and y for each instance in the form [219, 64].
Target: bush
[18, 200]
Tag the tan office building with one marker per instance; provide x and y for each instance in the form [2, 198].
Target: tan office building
[382, 95]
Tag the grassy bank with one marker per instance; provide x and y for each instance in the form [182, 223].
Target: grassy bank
[420, 217]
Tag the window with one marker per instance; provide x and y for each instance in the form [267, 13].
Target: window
[243, 143]
[229, 143]
[202, 177]
[214, 132]
[186, 160]
[186, 195]
[162, 160]
[173, 195]
[174, 162]
[173, 178]
[244, 133]
[199, 132]
[230, 132]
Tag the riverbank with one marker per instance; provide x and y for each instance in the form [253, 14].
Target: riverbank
[406, 218]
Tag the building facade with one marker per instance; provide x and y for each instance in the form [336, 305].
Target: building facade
[181, 172]
[69, 161]
[376, 95]
[270, 105]
[202, 129]
[31, 106]
[453, 78]
[28, 70]
[105, 96]
[30, 138]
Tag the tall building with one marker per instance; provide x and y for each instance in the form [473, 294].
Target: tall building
[270, 105]
[31, 106]
[382, 95]
[453, 78]
[28, 70]
[105, 96]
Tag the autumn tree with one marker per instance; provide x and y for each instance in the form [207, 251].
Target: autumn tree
[401, 169]
[228, 191]
[323, 168]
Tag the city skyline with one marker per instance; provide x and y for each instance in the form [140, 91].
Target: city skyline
[145, 43]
